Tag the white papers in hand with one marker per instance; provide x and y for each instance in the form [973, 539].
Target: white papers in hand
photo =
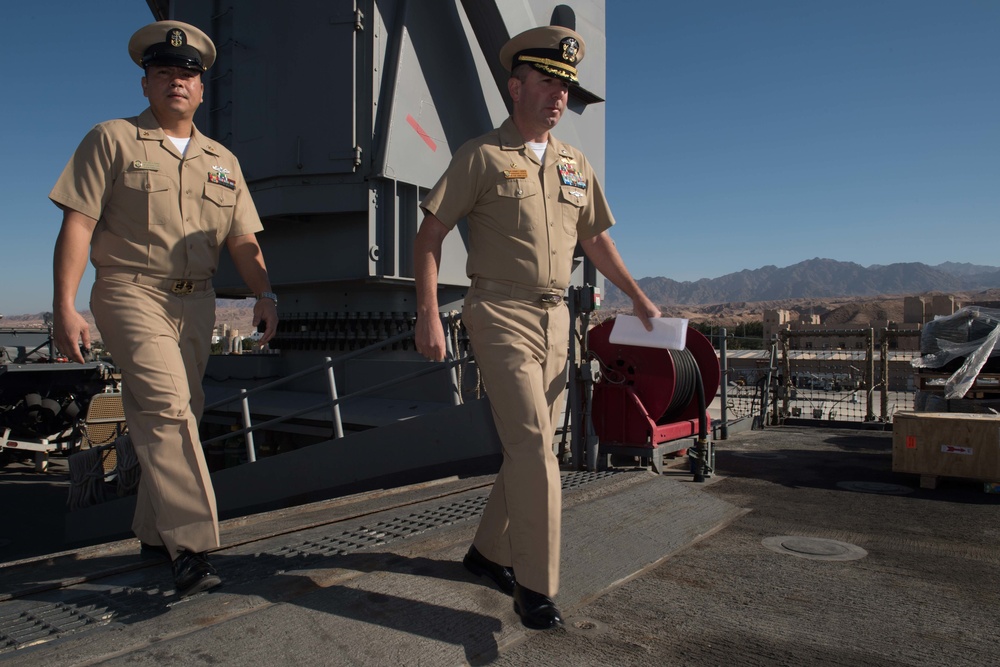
[668, 332]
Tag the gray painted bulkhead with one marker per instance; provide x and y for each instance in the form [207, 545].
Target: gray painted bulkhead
[317, 100]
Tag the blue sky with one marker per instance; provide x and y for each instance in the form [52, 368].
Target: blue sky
[774, 131]
[740, 133]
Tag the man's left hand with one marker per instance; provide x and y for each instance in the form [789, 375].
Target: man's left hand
[645, 310]
[266, 311]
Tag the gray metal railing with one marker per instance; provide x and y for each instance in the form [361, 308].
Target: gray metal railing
[450, 363]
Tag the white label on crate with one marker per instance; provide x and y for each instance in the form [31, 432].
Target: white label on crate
[952, 449]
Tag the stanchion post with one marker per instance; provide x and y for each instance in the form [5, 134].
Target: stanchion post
[724, 363]
[245, 405]
[338, 424]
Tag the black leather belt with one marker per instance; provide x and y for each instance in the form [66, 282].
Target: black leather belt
[177, 286]
[546, 296]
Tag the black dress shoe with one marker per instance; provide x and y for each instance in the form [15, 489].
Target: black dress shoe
[480, 565]
[149, 551]
[537, 611]
[194, 574]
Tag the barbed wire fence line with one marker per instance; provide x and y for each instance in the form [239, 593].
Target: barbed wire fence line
[859, 375]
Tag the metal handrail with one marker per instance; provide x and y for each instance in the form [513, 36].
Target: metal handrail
[295, 376]
[248, 429]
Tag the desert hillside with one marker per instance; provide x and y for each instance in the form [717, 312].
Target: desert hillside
[841, 311]
[238, 314]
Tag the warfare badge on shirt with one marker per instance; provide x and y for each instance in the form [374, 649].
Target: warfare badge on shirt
[220, 175]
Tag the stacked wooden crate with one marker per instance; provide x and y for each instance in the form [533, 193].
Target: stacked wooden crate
[942, 444]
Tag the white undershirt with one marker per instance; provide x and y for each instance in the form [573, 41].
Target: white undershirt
[539, 148]
[182, 144]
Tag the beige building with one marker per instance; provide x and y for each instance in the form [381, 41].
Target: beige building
[923, 309]
[917, 311]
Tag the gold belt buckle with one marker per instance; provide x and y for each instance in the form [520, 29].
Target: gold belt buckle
[182, 287]
[551, 299]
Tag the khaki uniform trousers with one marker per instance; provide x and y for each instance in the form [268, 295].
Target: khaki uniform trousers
[521, 350]
[161, 343]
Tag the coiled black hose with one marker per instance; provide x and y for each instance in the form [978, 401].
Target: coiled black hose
[686, 378]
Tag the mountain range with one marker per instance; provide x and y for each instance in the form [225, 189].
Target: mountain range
[816, 285]
[813, 278]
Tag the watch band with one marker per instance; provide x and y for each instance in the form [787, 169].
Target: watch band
[268, 295]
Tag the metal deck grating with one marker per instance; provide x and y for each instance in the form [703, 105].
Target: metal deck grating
[28, 621]
[46, 621]
[384, 532]
[578, 478]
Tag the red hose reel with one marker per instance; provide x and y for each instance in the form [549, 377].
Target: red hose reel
[647, 397]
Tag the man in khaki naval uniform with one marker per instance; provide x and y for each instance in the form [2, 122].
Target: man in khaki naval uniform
[154, 200]
[528, 199]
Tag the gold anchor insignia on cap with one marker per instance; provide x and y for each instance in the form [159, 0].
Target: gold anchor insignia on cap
[570, 47]
[176, 37]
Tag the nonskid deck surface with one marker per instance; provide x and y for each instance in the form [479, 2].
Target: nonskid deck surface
[805, 549]
[370, 578]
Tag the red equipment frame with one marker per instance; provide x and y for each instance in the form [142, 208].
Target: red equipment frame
[638, 385]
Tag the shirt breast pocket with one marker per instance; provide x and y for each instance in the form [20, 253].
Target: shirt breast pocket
[515, 197]
[217, 211]
[572, 200]
[148, 196]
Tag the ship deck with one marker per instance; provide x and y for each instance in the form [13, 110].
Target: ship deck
[804, 548]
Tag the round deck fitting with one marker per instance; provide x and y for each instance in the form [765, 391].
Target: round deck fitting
[580, 625]
[814, 548]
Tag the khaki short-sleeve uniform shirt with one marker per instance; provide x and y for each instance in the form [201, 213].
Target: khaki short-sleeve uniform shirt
[158, 212]
[524, 217]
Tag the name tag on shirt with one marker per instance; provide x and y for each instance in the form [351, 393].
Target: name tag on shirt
[146, 166]
[515, 173]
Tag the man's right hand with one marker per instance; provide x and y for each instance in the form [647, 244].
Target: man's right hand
[430, 337]
[70, 329]
[429, 334]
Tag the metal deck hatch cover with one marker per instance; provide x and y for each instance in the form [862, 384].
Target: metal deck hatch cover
[814, 548]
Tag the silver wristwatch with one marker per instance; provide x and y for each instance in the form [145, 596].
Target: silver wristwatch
[268, 295]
